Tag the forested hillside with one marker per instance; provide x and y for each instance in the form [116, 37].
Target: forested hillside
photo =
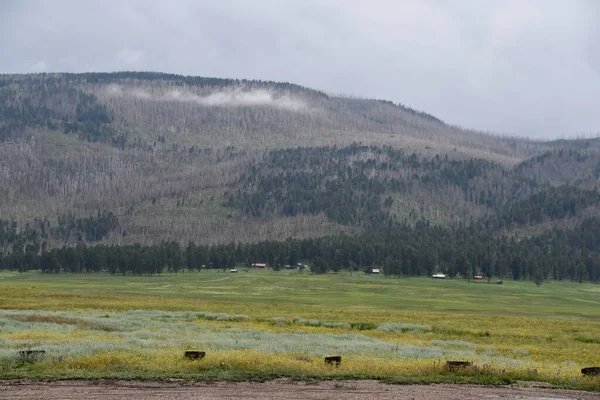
[182, 172]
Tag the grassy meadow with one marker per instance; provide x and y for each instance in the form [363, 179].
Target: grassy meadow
[265, 324]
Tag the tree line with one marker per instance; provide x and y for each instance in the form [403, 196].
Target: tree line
[559, 254]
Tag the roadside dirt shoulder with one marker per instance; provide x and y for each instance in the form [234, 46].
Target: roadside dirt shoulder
[279, 389]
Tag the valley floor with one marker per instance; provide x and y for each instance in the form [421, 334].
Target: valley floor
[265, 325]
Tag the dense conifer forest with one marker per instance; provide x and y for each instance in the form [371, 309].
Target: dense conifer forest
[148, 173]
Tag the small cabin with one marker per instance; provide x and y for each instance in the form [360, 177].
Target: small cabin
[478, 277]
[438, 276]
[375, 271]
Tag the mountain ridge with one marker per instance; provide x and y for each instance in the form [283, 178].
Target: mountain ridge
[193, 158]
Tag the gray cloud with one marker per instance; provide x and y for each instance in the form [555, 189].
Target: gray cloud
[510, 66]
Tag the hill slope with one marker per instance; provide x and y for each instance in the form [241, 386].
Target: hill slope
[166, 157]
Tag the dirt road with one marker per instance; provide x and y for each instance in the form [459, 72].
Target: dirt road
[280, 389]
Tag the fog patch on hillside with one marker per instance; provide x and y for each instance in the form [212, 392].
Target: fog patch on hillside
[237, 96]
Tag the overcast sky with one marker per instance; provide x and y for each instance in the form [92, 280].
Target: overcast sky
[528, 68]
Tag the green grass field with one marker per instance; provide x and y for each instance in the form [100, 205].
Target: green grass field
[264, 324]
